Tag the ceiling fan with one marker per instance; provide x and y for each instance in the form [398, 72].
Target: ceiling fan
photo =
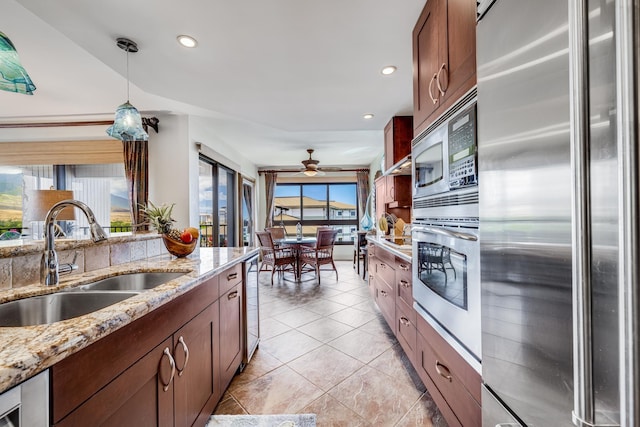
[311, 166]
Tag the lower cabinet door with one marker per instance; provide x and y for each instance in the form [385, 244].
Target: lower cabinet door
[140, 396]
[230, 334]
[196, 387]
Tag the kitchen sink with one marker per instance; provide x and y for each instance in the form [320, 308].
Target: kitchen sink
[45, 309]
[130, 282]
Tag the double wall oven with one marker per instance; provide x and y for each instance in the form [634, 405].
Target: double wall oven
[446, 250]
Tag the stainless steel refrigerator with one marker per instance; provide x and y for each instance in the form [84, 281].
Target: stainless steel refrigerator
[558, 176]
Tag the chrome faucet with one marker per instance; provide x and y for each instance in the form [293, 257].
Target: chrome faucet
[50, 271]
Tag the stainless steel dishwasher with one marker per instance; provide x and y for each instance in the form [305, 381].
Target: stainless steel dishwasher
[27, 404]
[251, 309]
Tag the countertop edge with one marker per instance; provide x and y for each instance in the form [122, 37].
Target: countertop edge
[385, 244]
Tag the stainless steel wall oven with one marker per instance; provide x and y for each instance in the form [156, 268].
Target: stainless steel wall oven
[446, 250]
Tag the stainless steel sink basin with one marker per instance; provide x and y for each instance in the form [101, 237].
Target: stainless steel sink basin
[52, 308]
[130, 282]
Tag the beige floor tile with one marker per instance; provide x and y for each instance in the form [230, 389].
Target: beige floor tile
[325, 329]
[271, 327]
[352, 317]
[325, 366]
[361, 345]
[228, 405]
[378, 398]
[348, 298]
[331, 413]
[297, 317]
[282, 391]
[423, 414]
[395, 363]
[290, 345]
[325, 306]
[261, 363]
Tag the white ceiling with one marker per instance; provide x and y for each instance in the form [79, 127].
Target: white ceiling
[275, 77]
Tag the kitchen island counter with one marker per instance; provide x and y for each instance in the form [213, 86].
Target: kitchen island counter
[29, 350]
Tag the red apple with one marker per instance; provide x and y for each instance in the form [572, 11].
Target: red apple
[186, 237]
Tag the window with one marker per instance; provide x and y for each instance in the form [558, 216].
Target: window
[315, 205]
[101, 186]
[217, 204]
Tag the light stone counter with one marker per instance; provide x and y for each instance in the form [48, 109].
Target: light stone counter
[25, 351]
[402, 251]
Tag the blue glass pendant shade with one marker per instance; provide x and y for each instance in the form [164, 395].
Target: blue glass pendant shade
[13, 77]
[127, 125]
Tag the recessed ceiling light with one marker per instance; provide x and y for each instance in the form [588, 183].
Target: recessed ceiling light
[368, 116]
[187, 41]
[389, 69]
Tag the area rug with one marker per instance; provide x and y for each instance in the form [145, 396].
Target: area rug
[280, 420]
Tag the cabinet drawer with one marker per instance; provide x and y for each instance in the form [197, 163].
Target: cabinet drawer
[463, 371]
[230, 277]
[385, 256]
[404, 288]
[386, 301]
[444, 376]
[385, 271]
[406, 329]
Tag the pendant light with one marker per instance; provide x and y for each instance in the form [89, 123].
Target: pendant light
[127, 125]
[13, 77]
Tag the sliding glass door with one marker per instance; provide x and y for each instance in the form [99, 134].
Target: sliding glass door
[217, 204]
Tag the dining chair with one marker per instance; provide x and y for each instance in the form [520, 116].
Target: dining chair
[319, 254]
[282, 259]
[277, 233]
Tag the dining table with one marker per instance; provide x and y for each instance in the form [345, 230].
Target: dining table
[296, 244]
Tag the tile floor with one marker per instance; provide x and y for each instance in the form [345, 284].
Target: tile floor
[326, 349]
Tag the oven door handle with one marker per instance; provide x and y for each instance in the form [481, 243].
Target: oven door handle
[444, 232]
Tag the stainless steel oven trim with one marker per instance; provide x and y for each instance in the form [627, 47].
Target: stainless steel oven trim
[445, 232]
[463, 325]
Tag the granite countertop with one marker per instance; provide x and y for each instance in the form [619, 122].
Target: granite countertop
[403, 251]
[28, 350]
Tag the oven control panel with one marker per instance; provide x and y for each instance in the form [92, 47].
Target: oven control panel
[462, 149]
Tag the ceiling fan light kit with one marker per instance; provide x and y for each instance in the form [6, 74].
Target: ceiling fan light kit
[311, 165]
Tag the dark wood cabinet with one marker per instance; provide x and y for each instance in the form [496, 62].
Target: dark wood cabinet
[454, 385]
[398, 134]
[230, 334]
[444, 58]
[196, 385]
[398, 191]
[168, 368]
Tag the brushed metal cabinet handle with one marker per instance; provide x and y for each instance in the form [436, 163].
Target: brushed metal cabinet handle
[232, 295]
[186, 355]
[172, 362]
[442, 67]
[434, 100]
[383, 293]
[232, 276]
[443, 371]
[404, 267]
[404, 321]
[404, 283]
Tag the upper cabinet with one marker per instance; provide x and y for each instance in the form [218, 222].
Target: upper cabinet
[444, 58]
[398, 134]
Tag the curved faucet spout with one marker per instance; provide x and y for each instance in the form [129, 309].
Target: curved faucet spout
[50, 270]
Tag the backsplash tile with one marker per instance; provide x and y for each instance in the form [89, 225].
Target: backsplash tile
[25, 270]
[96, 257]
[5, 273]
[20, 264]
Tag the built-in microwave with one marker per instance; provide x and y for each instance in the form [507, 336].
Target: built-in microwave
[445, 155]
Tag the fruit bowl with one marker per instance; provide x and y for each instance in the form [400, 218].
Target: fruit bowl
[177, 248]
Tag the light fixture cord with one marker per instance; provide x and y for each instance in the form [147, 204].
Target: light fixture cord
[127, 74]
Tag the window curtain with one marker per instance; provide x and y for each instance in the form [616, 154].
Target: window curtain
[136, 170]
[362, 177]
[270, 192]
